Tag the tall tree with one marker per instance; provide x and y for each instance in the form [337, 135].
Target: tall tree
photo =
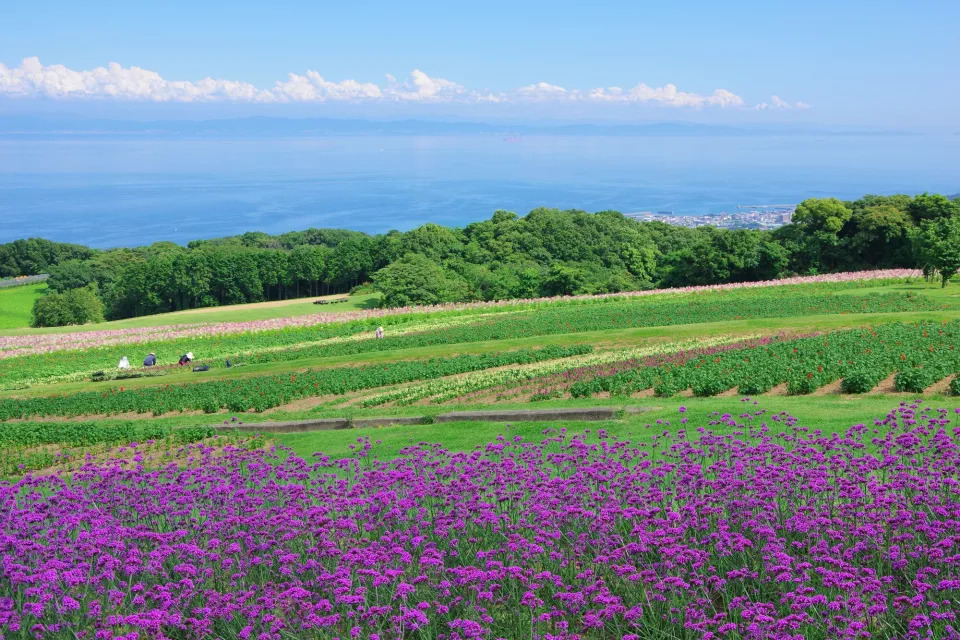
[416, 280]
[821, 220]
[931, 206]
[939, 242]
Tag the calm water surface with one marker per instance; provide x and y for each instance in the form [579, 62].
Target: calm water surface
[109, 192]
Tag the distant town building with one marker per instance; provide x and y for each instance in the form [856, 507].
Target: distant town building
[747, 217]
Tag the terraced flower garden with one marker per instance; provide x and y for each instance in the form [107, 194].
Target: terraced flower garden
[35, 359]
[725, 504]
[917, 356]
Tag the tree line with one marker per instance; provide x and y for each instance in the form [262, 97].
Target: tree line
[546, 252]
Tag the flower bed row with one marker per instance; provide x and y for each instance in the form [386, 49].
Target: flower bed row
[746, 527]
[332, 340]
[29, 446]
[38, 343]
[618, 315]
[444, 390]
[919, 354]
[264, 392]
[72, 365]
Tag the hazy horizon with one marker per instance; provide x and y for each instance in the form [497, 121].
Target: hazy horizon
[116, 191]
[182, 121]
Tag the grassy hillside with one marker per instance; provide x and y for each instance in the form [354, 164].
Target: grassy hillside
[16, 304]
[826, 352]
[230, 313]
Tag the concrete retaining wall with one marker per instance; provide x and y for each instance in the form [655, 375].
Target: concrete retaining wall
[503, 415]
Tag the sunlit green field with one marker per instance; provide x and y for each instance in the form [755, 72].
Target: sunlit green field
[354, 368]
[231, 313]
[16, 303]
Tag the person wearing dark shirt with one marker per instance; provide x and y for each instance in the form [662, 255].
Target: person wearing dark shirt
[150, 360]
[185, 358]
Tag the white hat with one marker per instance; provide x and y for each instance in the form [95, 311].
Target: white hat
[190, 354]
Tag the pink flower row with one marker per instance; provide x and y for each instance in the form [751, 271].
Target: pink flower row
[12, 346]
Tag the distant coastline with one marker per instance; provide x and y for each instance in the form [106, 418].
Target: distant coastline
[20, 126]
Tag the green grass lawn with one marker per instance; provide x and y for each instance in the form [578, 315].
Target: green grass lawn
[16, 304]
[305, 306]
[949, 294]
[232, 313]
[831, 414]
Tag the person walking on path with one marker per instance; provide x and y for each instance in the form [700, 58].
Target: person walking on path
[150, 360]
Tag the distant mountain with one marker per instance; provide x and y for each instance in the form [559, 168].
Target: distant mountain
[262, 126]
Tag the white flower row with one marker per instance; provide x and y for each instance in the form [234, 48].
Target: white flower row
[445, 389]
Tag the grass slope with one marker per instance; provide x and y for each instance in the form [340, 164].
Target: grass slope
[230, 313]
[829, 414]
[16, 304]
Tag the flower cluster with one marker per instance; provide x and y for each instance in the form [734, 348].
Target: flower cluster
[748, 526]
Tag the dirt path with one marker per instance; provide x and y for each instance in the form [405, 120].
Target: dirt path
[941, 387]
[779, 390]
[884, 386]
[830, 389]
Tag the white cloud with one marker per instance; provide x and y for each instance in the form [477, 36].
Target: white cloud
[543, 91]
[312, 87]
[667, 95]
[778, 103]
[33, 79]
[423, 87]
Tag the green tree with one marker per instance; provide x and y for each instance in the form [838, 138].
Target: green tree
[70, 274]
[822, 214]
[76, 306]
[720, 256]
[433, 241]
[564, 280]
[305, 264]
[272, 267]
[350, 262]
[940, 247]
[32, 256]
[820, 221]
[416, 280]
[881, 234]
[931, 206]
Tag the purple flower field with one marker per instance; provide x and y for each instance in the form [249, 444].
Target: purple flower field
[747, 526]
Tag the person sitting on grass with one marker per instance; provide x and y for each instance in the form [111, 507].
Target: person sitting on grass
[185, 358]
[124, 363]
[150, 360]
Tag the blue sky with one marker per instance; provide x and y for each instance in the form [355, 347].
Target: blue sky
[878, 63]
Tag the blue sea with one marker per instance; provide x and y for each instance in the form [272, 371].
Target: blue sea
[113, 191]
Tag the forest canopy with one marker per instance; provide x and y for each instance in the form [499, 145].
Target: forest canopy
[546, 252]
